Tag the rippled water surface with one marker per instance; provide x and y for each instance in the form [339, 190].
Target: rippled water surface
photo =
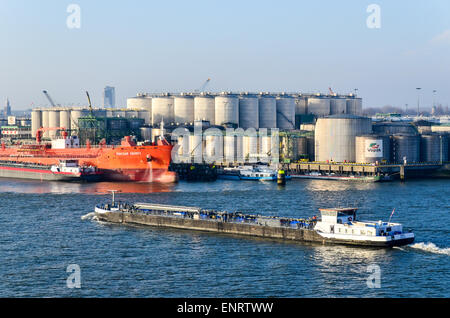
[42, 232]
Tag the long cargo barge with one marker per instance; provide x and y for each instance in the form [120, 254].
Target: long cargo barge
[335, 226]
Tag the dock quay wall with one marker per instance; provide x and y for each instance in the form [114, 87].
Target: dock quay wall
[261, 231]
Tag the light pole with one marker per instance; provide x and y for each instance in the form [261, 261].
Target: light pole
[434, 100]
[418, 100]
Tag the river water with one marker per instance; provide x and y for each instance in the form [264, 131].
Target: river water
[43, 231]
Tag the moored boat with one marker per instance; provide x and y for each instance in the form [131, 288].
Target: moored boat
[260, 173]
[125, 162]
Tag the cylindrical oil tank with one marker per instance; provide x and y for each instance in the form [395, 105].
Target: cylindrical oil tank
[248, 111]
[53, 122]
[301, 146]
[229, 148]
[285, 112]
[405, 148]
[204, 108]
[319, 105]
[183, 150]
[140, 102]
[146, 133]
[267, 111]
[146, 115]
[373, 148]
[265, 147]
[64, 118]
[184, 109]
[250, 148]
[354, 105]
[310, 143]
[75, 114]
[162, 109]
[196, 146]
[433, 148]
[45, 121]
[338, 105]
[36, 121]
[335, 137]
[392, 128]
[213, 147]
[226, 109]
[300, 105]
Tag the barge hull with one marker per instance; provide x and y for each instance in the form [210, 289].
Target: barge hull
[44, 174]
[260, 231]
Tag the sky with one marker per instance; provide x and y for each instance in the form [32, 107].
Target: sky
[174, 46]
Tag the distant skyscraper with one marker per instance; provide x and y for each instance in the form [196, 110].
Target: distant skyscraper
[7, 110]
[109, 97]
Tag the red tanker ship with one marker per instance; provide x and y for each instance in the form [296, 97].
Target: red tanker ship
[127, 162]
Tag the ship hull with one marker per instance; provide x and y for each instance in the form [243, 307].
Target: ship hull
[260, 231]
[44, 175]
[123, 163]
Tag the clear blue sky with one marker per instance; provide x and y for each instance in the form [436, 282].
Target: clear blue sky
[156, 46]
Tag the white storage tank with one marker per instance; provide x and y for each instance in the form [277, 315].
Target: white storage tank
[338, 105]
[146, 133]
[300, 105]
[213, 152]
[196, 146]
[45, 121]
[267, 111]
[184, 109]
[226, 109]
[373, 148]
[64, 118]
[53, 122]
[248, 111]
[36, 121]
[354, 105]
[140, 102]
[75, 114]
[204, 108]
[335, 137]
[163, 109]
[319, 105]
[250, 148]
[233, 146]
[146, 115]
[285, 112]
[266, 146]
[184, 148]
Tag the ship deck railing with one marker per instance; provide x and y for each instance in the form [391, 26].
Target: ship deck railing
[219, 216]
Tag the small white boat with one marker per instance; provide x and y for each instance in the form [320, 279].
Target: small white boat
[261, 173]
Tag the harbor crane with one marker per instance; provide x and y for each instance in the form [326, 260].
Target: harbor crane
[202, 88]
[49, 98]
[89, 100]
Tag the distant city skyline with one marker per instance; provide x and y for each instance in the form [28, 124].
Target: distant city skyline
[146, 46]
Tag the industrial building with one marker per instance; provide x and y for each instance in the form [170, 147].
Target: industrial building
[308, 127]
